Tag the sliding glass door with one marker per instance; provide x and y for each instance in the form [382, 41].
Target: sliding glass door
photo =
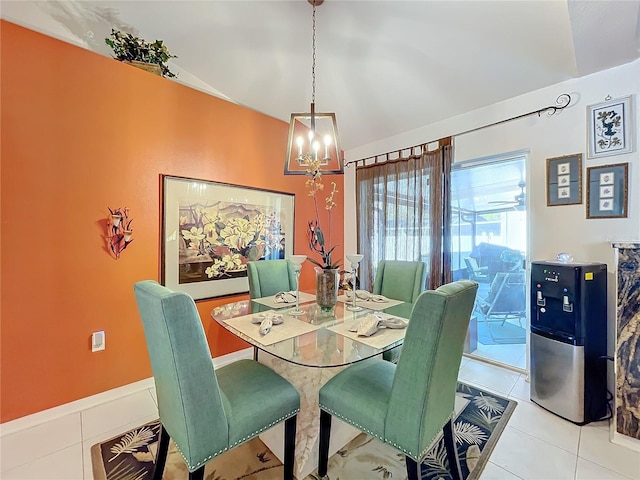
[489, 245]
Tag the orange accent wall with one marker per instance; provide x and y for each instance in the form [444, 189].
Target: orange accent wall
[82, 132]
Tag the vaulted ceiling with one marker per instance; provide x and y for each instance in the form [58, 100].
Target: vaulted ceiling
[384, 67]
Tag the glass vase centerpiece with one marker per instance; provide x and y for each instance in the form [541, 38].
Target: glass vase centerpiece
[327, 271]
[354, 259]
[297, 261]
[327, 282]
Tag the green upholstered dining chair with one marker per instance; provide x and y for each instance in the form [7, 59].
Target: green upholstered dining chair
[268, 277]
[205, 411]
[400, 280]
[408, 404]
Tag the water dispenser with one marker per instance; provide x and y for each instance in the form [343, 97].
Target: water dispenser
[569, 339]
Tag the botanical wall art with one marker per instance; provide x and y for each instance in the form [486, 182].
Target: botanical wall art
[564, 180]
[211, 230]
[607, 191]
[610, 129]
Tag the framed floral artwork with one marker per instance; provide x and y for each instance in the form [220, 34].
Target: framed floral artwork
[211, 230]
[610, 129]
[564, 180]
[607, 191]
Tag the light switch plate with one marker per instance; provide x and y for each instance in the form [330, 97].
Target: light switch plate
[97, 341]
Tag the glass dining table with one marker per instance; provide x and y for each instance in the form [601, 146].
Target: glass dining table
[324, 344]
[308, 350]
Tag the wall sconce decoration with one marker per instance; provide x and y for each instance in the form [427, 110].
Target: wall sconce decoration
[119, 231]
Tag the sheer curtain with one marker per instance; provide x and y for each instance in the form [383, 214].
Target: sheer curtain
[403, 213]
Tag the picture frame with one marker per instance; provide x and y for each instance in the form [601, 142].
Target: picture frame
[210, 230]
[609, 126]
[607, 191]
[564, 180]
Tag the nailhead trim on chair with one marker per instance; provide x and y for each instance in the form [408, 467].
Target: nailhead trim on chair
[434, 439]
[398, 447]
[191, 468]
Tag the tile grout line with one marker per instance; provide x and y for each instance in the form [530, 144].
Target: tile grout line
[545, 441]
[82, 446]
[53, 452]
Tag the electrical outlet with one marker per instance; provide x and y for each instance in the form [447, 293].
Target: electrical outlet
[97, 341]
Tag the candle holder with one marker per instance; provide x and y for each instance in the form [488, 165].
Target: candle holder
[297, 261]
[355, 259]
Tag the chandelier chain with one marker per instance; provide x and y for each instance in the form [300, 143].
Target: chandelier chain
[313, 65]
[322, 151]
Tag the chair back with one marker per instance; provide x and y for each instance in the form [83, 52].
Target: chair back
[472, 265]
[400, 280]
[189, 400]
[424, 386]
[475, 272]
[507, 294]
[268, 277]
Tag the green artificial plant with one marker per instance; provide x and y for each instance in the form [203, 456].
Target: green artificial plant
[128, 48]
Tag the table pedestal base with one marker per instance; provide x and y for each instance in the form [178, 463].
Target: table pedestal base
[308, 382]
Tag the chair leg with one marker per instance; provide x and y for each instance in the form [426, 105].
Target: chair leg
[161, 457]
[197, 474]
[323, 447]
[413, 472]
[452, 451]
[289, 446]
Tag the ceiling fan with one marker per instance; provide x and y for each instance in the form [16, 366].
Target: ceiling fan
[519, 200]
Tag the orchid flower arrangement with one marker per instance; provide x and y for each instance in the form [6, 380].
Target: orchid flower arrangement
[315, 235]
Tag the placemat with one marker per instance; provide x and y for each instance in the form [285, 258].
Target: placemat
[370, 304]
[380, 339]
[291, 327]
[271, 301]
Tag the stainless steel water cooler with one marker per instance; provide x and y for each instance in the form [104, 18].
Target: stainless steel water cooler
[569, 339]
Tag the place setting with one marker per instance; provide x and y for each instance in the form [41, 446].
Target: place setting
[375, 329]
[293, 297]
[270, 327]
[285, 299]
[367, 300]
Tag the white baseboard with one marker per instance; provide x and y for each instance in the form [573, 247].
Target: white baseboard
[76, 406]
[623, 440]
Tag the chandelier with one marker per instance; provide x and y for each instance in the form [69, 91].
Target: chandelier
[313, 136]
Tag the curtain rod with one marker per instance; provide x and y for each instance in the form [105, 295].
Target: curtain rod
[562, 102]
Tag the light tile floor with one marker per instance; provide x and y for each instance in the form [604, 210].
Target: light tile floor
[513, 354]
[535, 445]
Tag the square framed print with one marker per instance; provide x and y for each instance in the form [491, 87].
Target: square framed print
[211, 230]
[610, 127]
[564, 180]
[607, 191]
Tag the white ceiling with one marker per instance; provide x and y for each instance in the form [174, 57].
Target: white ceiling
[384, 67]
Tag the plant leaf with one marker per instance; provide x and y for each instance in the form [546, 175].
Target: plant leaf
[488, 404]
[469, 433]
[316, 262]
[132, 441]
[320, 236]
